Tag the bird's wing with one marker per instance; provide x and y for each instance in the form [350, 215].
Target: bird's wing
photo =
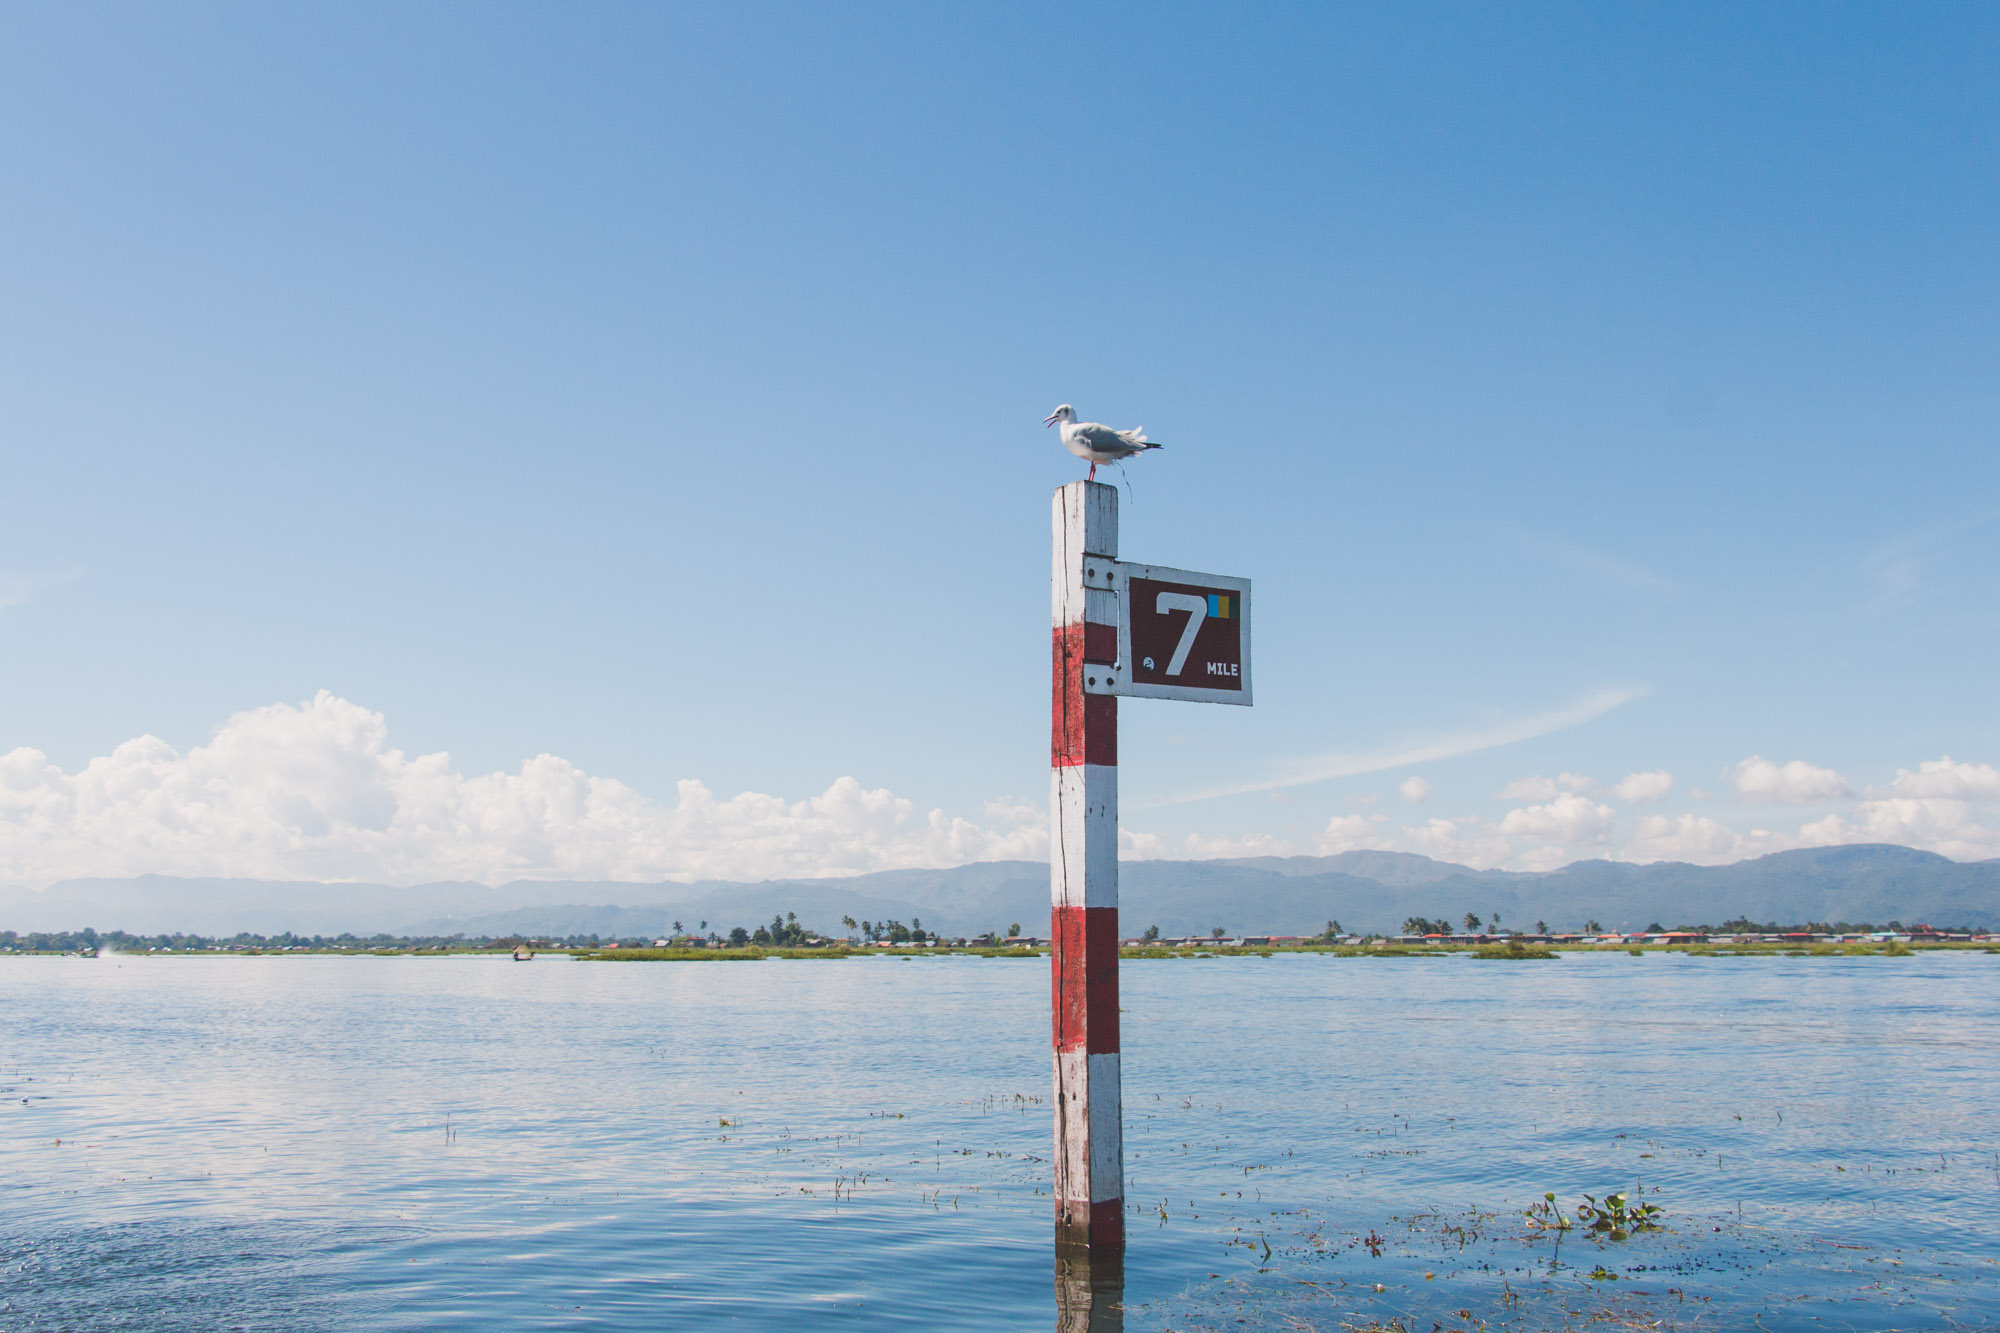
[1103, 439]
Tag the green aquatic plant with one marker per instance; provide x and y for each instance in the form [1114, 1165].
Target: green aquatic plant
[1547, 1215]
[1511, 949]
[751, 954]
[1617, 1217]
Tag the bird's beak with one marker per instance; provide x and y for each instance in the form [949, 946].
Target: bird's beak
[1050, 419]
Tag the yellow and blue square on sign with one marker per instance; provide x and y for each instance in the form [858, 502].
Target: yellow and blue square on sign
[1219, 607]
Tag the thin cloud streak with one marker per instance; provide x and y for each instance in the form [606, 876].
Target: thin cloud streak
[20, 589]
[1324, 767]
[1600, 564]
[1894, 568]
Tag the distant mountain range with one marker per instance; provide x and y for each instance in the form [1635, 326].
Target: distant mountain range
[1280, 895]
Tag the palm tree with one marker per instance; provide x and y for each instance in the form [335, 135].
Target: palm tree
[1471, 922]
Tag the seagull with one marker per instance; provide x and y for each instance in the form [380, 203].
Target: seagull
[1096, 443]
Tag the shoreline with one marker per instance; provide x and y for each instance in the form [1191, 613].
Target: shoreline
[1130, 953]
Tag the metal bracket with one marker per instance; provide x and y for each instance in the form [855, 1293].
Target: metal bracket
[1104, 678]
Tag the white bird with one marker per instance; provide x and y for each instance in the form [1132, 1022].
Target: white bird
[1095, 443]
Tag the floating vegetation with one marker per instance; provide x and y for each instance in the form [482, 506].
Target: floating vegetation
[1616, 1218]
[750, 953]
[1512, 949]
[1547, 1215]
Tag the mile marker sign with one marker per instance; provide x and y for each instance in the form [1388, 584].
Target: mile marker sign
[1183, 635]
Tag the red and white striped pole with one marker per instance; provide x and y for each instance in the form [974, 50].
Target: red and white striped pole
[1083, 877]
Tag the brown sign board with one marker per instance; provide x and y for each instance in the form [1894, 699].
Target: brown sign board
[1183, 635]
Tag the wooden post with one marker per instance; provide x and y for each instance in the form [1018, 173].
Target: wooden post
[1083, 878]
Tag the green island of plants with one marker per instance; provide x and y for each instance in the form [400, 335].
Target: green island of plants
[1512, 949]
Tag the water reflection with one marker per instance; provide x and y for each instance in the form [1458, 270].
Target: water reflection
[1090, 1292]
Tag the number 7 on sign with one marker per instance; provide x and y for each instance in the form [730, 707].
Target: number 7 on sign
[1197, 609]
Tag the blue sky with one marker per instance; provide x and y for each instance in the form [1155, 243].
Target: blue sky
[658, 388]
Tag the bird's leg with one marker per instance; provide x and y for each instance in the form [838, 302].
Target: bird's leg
[1093, 473]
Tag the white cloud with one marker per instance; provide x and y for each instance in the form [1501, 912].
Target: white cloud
[1945, 778]
[1347, 833]
[1466, 840]
[1569, 818]
[1795, 783]
[1141, 846]
[1196, 847]
[1638, 788]
[1949, 827]
[1695, 838]
[1546, 789]
[315, 792]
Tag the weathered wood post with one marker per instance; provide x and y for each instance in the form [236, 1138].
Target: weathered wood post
[1083, 876]
[1150, 632]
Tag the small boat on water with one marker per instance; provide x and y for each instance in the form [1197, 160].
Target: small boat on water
[523, 954]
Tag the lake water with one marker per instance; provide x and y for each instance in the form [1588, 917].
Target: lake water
[1312, 1142]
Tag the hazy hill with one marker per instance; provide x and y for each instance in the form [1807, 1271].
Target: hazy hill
[1287, 895]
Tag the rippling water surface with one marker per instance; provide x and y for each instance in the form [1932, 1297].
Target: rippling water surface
[1312, 1142]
